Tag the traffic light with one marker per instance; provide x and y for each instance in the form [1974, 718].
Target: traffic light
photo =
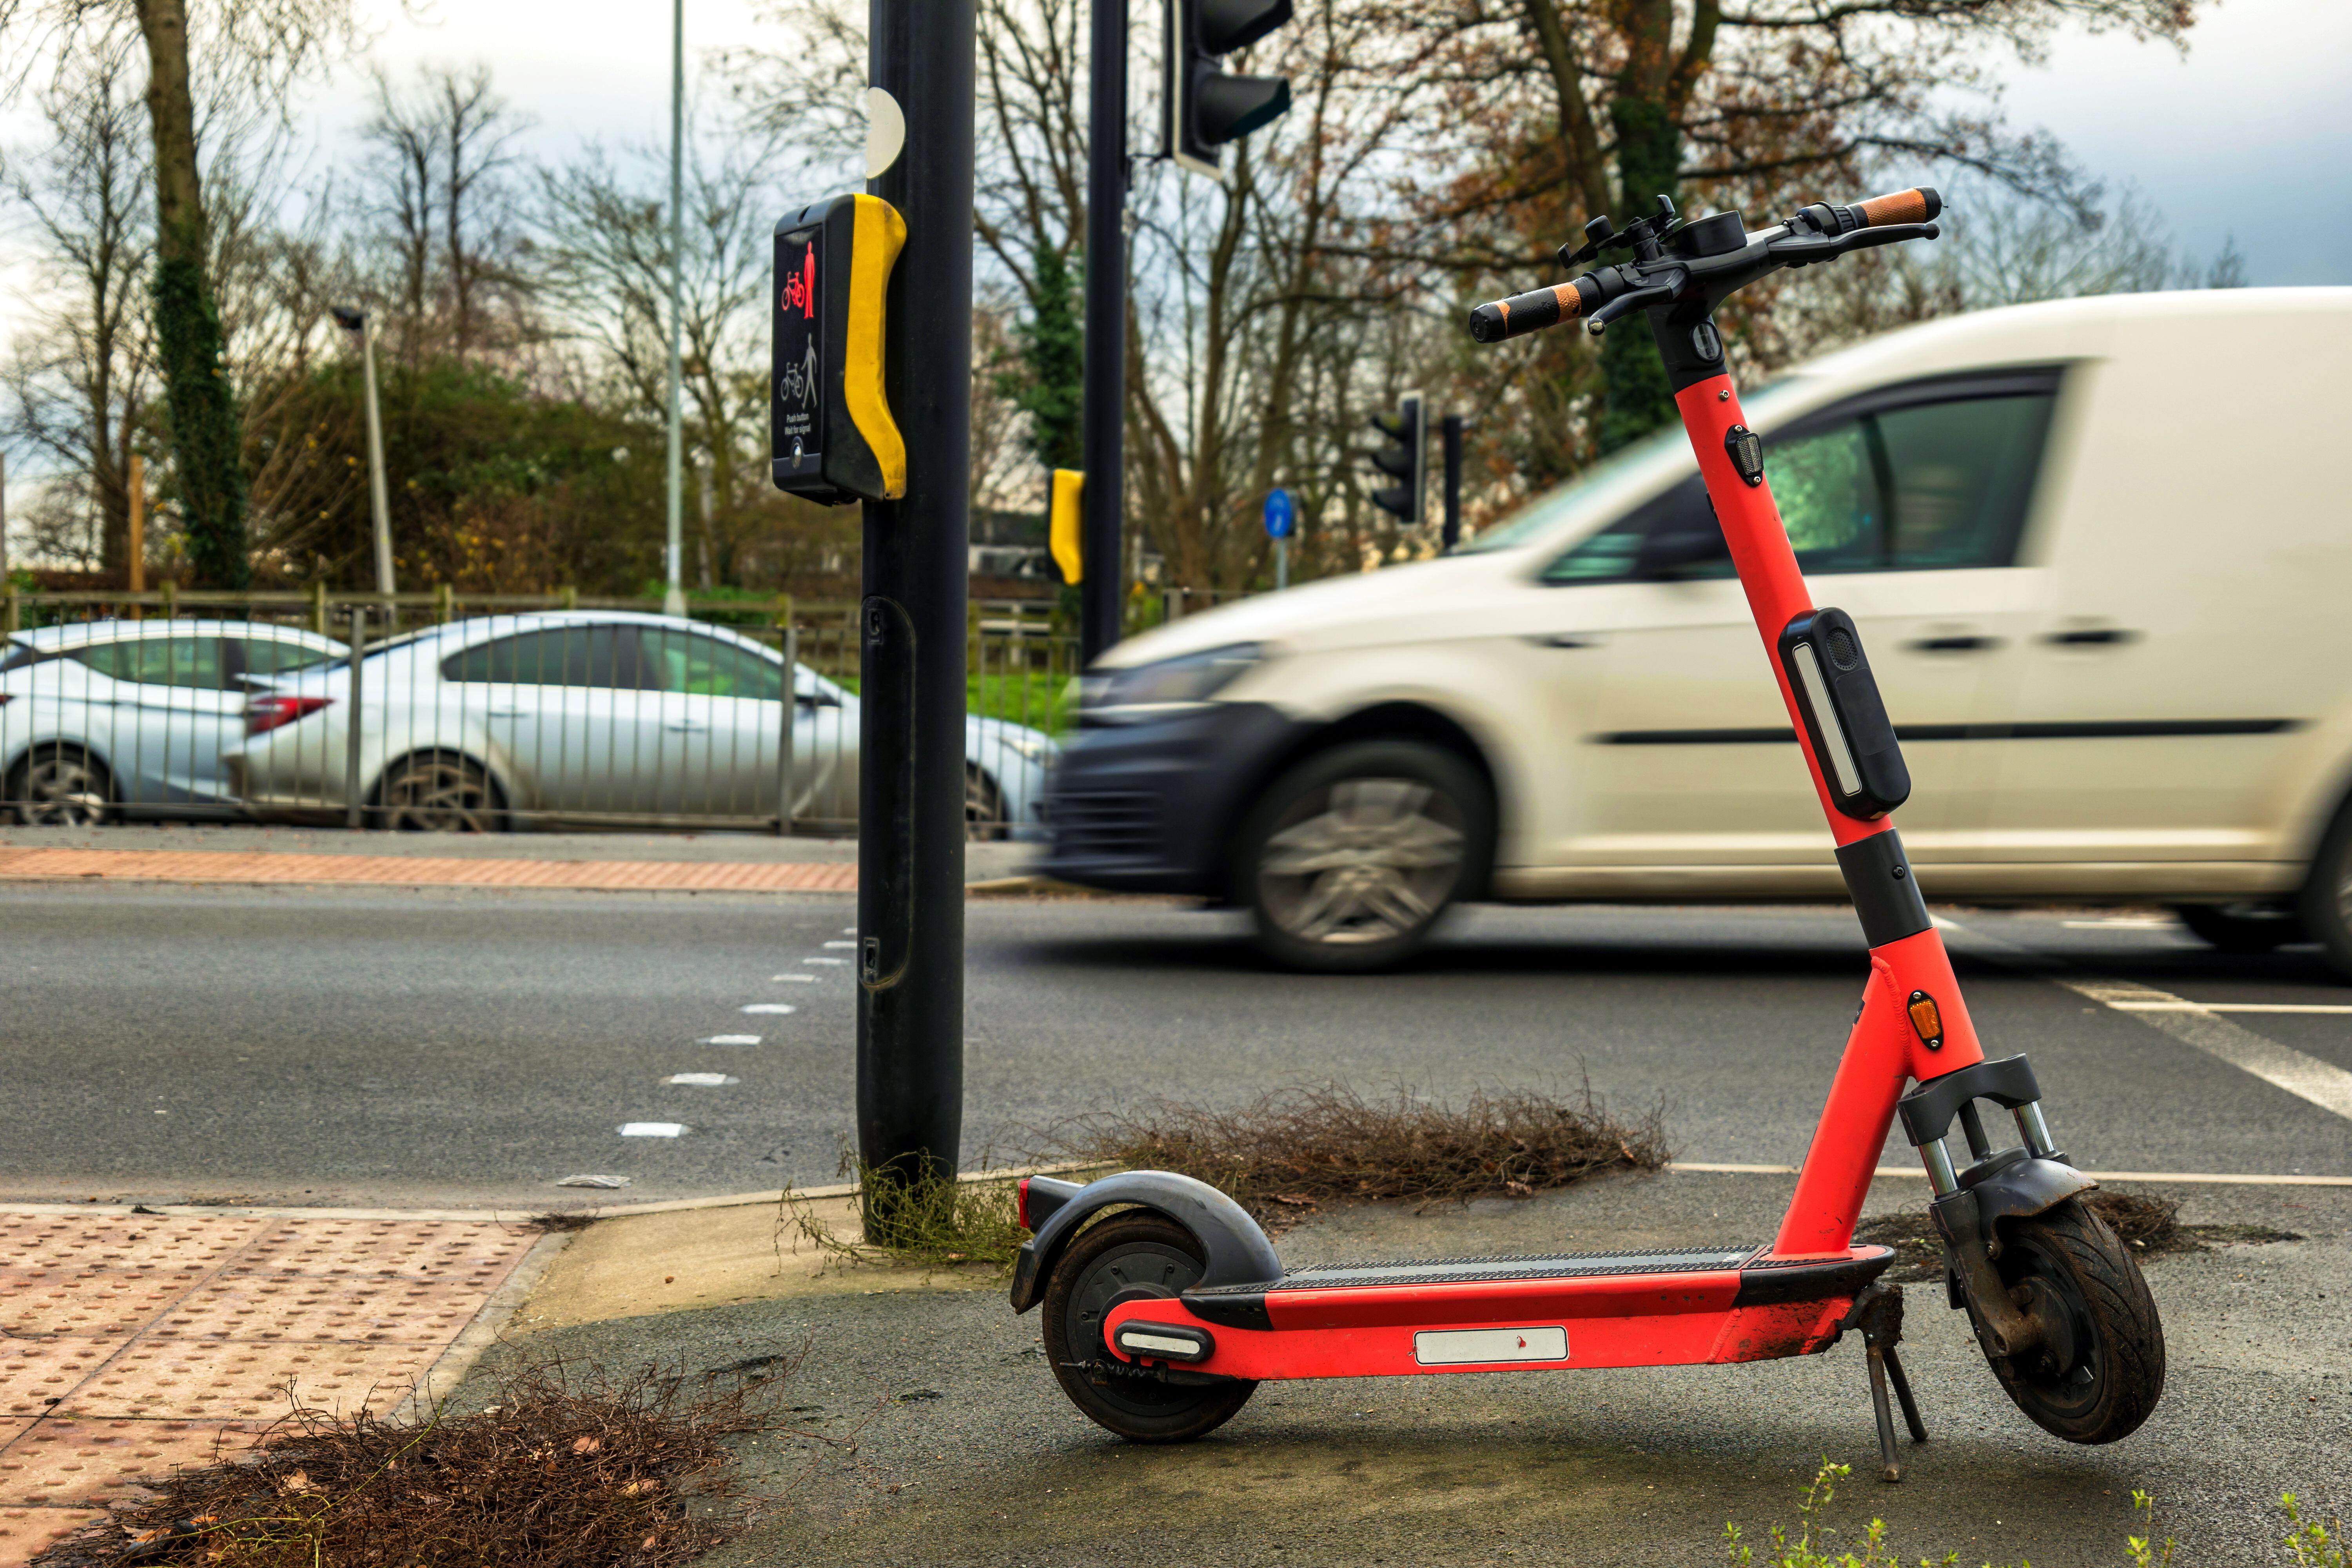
[1203, 107]
[1405, 460]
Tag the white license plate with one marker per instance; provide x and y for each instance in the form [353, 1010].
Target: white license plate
[1460, 1347]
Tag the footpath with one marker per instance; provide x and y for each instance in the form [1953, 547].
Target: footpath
[135, 1342]
[585, 862]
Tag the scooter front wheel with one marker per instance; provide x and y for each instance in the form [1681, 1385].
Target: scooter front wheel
[2101, 1369]
[1136, 1253]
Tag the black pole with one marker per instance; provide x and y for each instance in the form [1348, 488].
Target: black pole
[1453, 428]
[1103, 586]
[910, 786]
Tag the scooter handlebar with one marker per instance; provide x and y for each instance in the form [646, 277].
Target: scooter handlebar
[1532, 311]
[1917, 205]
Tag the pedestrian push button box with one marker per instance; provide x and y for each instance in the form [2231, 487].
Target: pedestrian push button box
[834, 439]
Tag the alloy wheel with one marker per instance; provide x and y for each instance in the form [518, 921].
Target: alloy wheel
[63, 789]
[437, 795]
[1366, 860]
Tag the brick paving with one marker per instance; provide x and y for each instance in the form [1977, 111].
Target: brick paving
[132, 1344]
[421, 871]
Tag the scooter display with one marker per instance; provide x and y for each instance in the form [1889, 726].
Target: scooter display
[1165, 1305]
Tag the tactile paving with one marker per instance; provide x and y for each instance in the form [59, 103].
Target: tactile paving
[137, 1343]
[24, 1533]
[247, 1380]
[94, 1464]
[460, 1251]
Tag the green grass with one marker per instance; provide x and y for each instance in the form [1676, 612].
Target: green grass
[1036, 697]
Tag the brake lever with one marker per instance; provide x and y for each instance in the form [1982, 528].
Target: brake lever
[1805, 249]
[1635, 299]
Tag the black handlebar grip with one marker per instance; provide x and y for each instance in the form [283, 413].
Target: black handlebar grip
[1900, 206]
[1531, 312]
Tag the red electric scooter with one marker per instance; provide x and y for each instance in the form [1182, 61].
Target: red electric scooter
[1163, 1315]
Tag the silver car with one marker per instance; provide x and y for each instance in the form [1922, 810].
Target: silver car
[100, 719]
[602, 715]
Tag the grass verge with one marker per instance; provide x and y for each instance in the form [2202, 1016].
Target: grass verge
[571, 1468]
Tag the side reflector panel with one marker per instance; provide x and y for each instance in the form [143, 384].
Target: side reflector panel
[1457, 1347]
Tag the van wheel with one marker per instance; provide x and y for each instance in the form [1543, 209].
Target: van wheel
[2242, 928]
[2327, 902]
[1350, 859]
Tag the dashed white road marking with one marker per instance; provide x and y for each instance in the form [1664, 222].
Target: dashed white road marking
[817, 960]
[2135, 922]
[770, 1008]
[2324, 1084]
[728, 1040]
[792, 979]
[652, 1129]
[849, 930]
[841, 944]
[702, 1079]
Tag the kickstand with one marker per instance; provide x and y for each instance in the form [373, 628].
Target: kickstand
[1879, 1313]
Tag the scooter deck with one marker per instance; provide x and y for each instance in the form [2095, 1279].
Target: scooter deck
[1625, 1308]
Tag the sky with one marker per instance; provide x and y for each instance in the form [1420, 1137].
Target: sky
[2248, 136]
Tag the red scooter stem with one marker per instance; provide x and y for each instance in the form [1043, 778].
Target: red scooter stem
[1885, 1050]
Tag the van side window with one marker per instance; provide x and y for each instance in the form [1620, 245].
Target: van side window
[1929, 484]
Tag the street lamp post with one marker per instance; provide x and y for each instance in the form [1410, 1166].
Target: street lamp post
[353, 319]
[673, 594]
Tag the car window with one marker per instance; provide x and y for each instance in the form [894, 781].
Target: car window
[1932, 485]
[18, 656]
[695, 664]
[190, 662]
[268, 656]
[602, 657]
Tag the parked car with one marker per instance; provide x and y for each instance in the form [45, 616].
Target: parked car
[100, 719]
[2099, 561]
[486, 723]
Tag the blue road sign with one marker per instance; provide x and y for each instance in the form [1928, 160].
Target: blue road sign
[1281, 515]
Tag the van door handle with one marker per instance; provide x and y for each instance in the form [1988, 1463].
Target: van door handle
[1566, 639]
[2098, 637]
[1965, 643]
[685, 726]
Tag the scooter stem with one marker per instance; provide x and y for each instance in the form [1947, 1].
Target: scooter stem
[1890, 1043]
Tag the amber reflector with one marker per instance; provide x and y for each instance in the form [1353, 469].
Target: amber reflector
[1927, 1017]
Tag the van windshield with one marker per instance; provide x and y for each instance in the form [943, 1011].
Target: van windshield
[1539, 516]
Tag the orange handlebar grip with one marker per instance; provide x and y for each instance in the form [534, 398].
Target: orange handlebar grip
[1901, 206]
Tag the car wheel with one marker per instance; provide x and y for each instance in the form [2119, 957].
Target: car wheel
[2325, 904]
[437, 792]
[60, 786]
[1352, 856]
[2242, 928]
[984, 806]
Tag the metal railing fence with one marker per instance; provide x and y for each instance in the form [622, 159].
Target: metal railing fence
[205, 705]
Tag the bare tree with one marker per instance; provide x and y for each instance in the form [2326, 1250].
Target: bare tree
[79, 383]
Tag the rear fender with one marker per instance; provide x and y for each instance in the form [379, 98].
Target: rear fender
[1236, 1250]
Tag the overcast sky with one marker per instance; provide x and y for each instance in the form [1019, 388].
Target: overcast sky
[2250, 134]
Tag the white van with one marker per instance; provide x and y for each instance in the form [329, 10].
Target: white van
[2098, 561]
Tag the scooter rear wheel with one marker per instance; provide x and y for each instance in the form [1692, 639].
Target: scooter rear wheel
[2103, 1371]
[1134, 1252]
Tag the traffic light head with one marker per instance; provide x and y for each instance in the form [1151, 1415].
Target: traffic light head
[1403, 459]
[1204, 107]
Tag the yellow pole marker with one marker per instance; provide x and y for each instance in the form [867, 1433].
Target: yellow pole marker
[1068, 515]
[877, 235]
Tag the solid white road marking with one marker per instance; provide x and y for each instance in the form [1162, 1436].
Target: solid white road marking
[2324, 1084]
[702, 1079]
[2178, 1007]
[652, 1129]
[2190, 1178]
[728, 1040]
[770, 1008]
